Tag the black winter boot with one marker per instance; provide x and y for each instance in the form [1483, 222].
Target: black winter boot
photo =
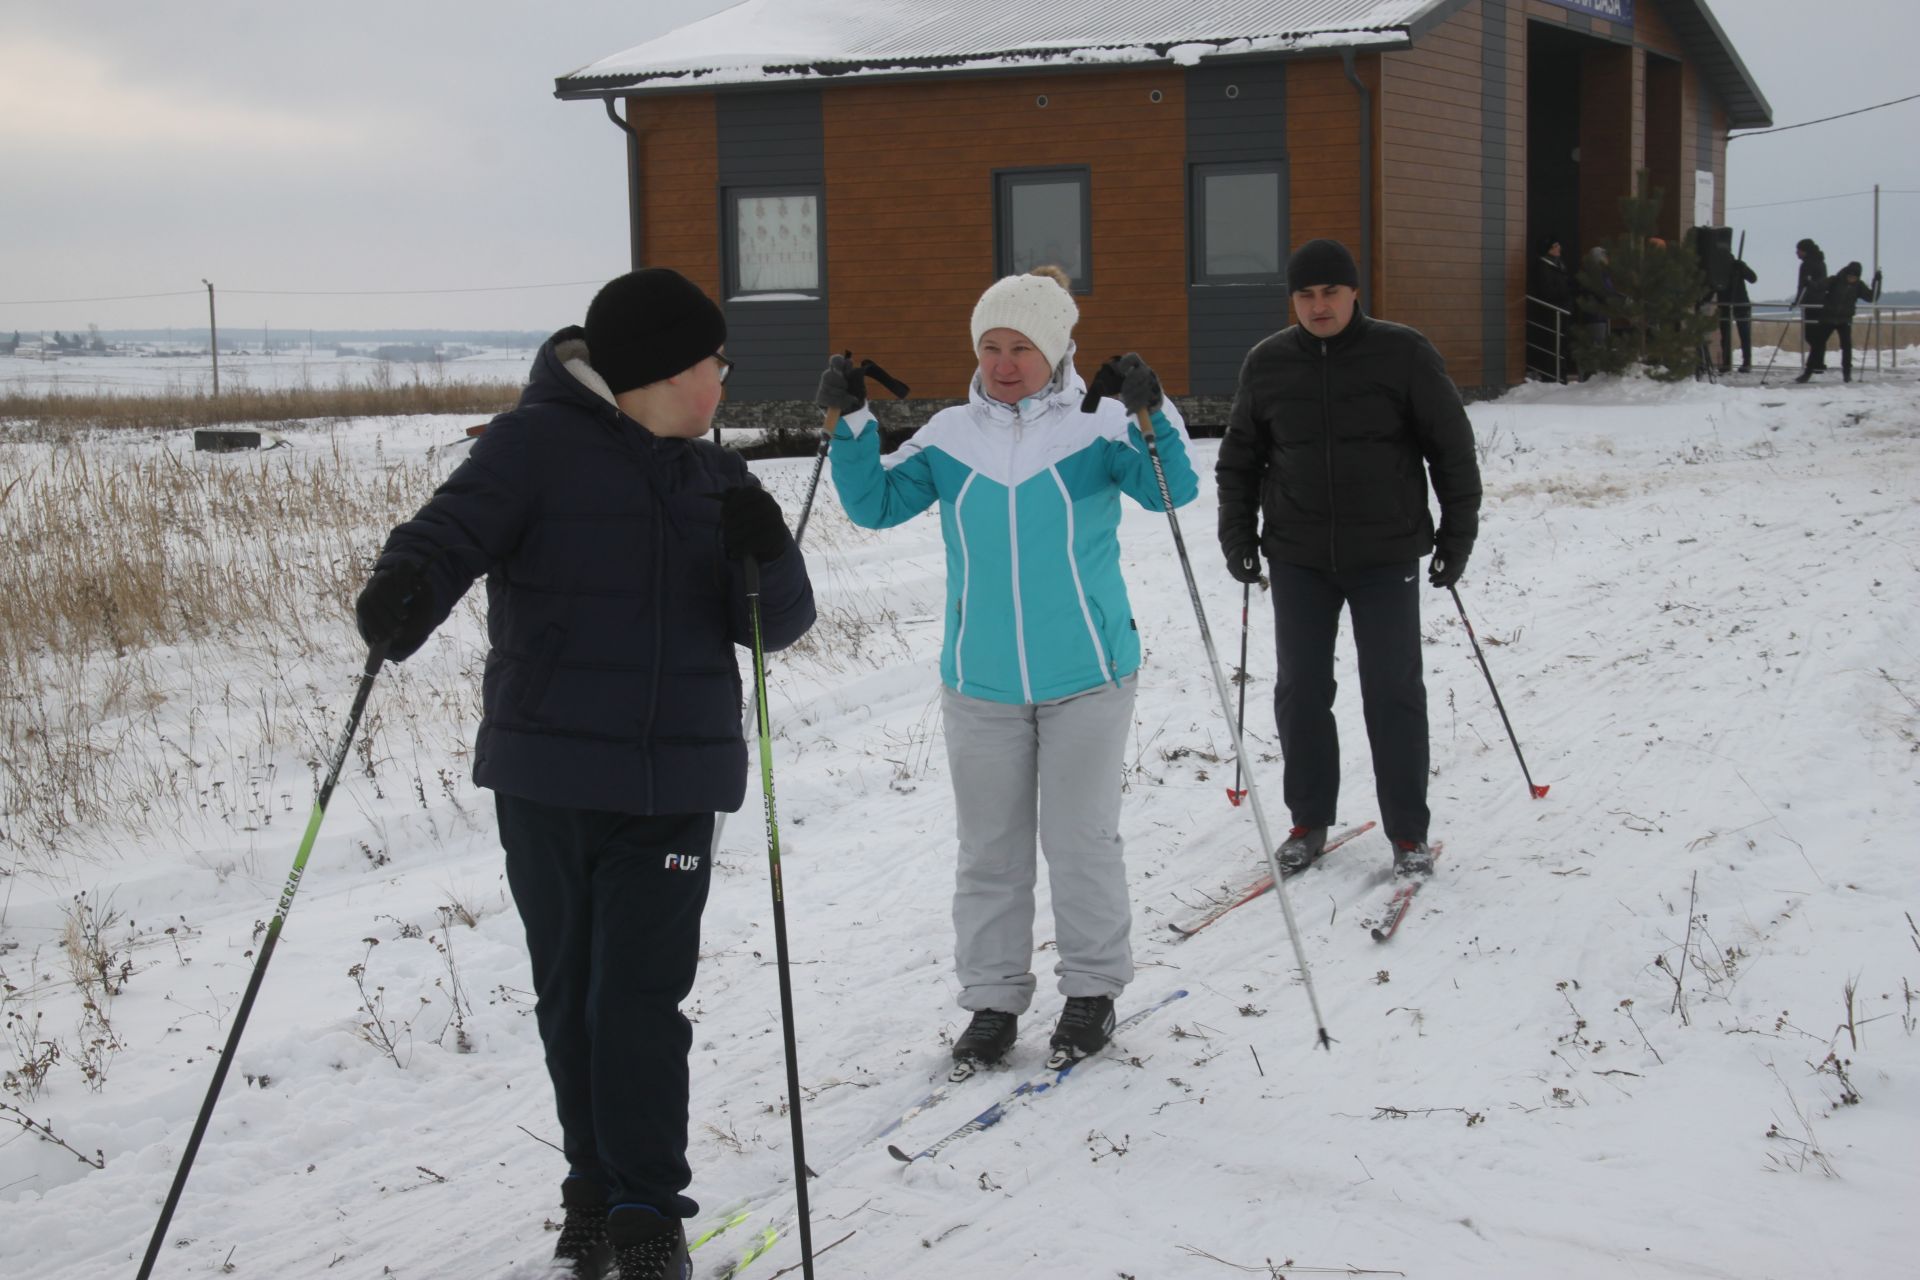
[1085, 1026]
[987, 1038]
[1412, 858]
[1302, 847]
[647, 1246]
[583, 1252]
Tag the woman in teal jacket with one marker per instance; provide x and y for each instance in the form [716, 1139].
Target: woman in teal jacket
[1041, 651]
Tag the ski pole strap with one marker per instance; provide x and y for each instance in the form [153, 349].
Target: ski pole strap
[869, 369]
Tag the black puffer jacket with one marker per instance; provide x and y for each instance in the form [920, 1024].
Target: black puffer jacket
[1330, 445]
[1845, 292]
[612, 615]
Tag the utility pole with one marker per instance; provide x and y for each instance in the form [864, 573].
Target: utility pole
[1875, 328]
[213, 330]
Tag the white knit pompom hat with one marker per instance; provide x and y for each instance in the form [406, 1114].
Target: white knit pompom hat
[1033, 305]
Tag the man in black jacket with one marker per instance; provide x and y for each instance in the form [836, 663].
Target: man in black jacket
[1810, 292]
[1336, 424]
[1736, 309]
[612, 538]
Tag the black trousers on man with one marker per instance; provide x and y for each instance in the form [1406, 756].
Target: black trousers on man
[1727, 326]
[1385, 607]
[611, 904]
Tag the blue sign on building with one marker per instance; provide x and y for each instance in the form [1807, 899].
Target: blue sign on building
[1620, 11]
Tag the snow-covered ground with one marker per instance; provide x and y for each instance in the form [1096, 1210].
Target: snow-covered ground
[1613, 1039]
[87, 375]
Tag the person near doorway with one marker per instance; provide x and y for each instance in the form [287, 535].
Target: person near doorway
[1337, 425]
[1592, 291]
[1551, 283]
[1810, 292]
[1844, 294]
[1041, 654]
[612, 537]
[1736, 311]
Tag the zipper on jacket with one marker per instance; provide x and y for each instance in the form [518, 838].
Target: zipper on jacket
[1013, 558]
[1326, 426]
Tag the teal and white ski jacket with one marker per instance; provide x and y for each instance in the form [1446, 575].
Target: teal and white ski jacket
[1029, 500]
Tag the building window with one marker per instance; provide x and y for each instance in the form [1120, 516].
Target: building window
[774, 242]
[1239, 223]
[1044, 218]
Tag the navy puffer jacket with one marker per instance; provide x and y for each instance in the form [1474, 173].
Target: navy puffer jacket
[611, 679]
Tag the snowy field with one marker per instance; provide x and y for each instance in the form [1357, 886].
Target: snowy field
[1661, 1023]
[283, 370]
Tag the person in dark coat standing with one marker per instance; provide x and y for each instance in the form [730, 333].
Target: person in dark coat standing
[1811, 292]
[1337, 424]
[1844, 293]
[1736, 309]
[1549, 334]
[612, 538]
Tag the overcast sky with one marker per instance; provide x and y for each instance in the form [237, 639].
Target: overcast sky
[359, 146]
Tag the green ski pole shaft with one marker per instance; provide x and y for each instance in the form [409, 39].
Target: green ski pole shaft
[375, 657]
[764, 731]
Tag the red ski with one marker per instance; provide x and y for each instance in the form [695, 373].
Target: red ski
[1256, 886]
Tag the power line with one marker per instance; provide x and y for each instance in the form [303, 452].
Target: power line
[1845, 195]
[1824, 119]
[384, 293]
[305, 293]
[129, 297]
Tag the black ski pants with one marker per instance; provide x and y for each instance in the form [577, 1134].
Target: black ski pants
[1385, 607]
[611, 903]
[1727, 326]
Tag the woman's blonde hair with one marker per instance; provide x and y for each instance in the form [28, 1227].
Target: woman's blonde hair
[1054, 274]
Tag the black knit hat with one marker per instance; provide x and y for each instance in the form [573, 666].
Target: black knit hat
[1319, 262]
[648, 325]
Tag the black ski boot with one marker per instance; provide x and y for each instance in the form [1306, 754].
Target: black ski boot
[1303, 846]
[984, 1042]
[647, 1246]
[1085, 1026]
[1412, 858]
[583, 1252]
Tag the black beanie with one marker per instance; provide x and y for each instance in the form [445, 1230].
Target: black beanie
[648, 325]
[1319, 262]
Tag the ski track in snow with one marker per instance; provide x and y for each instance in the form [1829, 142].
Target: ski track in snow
[1700, 605]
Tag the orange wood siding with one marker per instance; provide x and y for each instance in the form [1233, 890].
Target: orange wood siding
[680, 182]
[1433, 197]
[910, 213]
[1323, 150]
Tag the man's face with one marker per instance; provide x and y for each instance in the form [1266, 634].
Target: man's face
[1325, 309]
[694, 395]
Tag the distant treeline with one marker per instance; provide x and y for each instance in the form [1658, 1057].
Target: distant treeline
[251, 336]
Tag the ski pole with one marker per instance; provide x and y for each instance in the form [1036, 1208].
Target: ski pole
[1234, 794]
[375, 657]
[1537, 792]
[868, 369]
[1786, 327]
[779, 919]
[1107, 383]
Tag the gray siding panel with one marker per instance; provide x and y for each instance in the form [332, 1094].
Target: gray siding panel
[771, 140]
[1224, 321]
[1493, 189]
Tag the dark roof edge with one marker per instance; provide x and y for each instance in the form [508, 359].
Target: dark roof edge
[573, 87]
[1762, 110]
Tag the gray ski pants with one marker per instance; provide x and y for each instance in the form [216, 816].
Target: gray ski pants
[1050, 771]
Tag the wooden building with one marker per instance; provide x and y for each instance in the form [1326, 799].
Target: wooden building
[853, 179]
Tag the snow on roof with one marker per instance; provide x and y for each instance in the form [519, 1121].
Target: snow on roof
[772, 40]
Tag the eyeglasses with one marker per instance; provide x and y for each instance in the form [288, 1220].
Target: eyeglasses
[726, 368]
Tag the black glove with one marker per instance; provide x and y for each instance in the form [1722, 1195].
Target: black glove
[751, 525]
[843, 387]
[1139, 387]
[1445, 568]
[392, 605]
[1243, 562]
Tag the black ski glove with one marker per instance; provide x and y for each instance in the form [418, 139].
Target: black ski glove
[751, 524]
[1139, 386]
[392, 606]
[1445, 568]
[843, 387]
[1243, 562]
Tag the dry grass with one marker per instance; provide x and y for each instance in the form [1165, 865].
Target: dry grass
[42, 415]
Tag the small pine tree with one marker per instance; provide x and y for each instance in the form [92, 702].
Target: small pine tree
[1651, 294]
